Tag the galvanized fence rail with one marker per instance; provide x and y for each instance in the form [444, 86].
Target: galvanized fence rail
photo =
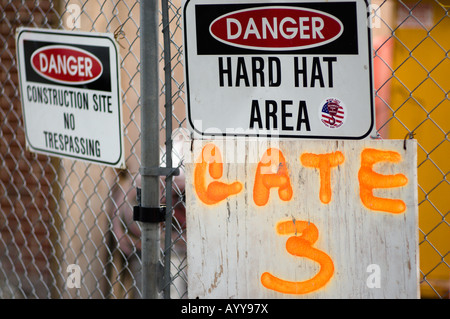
[60, 218]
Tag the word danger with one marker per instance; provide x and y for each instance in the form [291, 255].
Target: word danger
[64, 64]
[276, 28]
[268, 31]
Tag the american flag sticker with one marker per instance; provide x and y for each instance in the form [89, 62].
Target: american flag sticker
[332, 113]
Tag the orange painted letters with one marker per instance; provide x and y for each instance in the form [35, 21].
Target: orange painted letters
[324, 162]
[216, 191]
[301, 245]
[271, 172]
[368, 180]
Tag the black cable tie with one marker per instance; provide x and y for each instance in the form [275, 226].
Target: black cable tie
[149, 214]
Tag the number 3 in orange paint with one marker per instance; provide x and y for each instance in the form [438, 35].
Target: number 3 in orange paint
[301, 246]
[215, 191]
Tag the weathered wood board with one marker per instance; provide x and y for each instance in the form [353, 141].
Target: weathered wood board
[338, 247]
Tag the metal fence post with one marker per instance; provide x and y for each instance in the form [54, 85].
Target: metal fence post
[168, 107]
[150, 234]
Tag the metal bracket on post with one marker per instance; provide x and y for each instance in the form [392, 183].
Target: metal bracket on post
[149, 214]
[152, 214]
[159, 171]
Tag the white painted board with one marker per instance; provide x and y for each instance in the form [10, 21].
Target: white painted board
[232, 243]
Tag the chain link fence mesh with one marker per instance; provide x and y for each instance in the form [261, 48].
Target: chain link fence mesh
[57, 212]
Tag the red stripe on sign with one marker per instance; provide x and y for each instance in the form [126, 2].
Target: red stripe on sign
[329, 118]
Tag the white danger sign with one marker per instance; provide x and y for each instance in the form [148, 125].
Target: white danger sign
[293, 69]
[70, 90]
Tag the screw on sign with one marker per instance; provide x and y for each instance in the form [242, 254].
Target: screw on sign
[272, 172]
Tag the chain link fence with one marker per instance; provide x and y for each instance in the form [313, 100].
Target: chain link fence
[57, 215]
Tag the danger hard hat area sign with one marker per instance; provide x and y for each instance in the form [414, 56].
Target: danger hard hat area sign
[70, 91]
[281, 68]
